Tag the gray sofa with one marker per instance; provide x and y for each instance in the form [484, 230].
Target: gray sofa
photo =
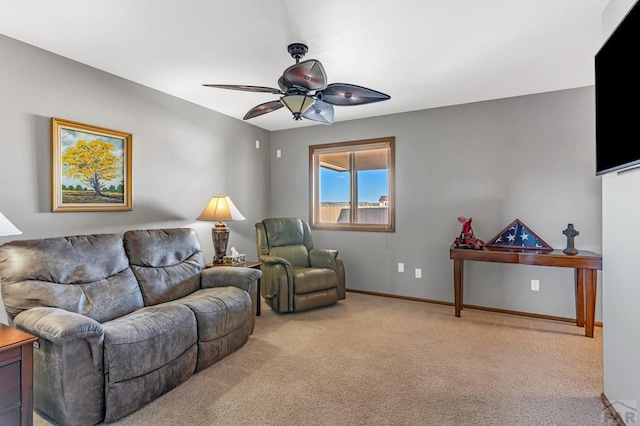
[121, 319]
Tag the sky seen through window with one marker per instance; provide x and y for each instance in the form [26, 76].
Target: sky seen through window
[335, 185]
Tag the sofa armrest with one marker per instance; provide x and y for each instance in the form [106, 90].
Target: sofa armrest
[272, 263]
[236, 276]
[275, 260]
[323, 258]
[57, 325]
[277, 283]
[60, 327]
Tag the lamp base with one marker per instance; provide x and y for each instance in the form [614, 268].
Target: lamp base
[220, 236]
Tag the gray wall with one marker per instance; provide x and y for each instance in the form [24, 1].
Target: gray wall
[621, 286]
[182, 153]
[530, 158]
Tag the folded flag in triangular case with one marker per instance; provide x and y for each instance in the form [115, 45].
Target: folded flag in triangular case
[518, 236]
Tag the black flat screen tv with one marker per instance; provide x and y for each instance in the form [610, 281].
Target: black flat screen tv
[617, 97]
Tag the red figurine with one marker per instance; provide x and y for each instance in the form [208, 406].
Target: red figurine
[466, 238]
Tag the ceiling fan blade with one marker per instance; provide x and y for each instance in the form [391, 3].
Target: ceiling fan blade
[308, 74]
[284, 84]
[263, 109]
[343, 94]
[321, 112]
[258, 89]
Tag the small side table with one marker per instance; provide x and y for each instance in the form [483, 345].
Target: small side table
[252, 265]
[16, 377]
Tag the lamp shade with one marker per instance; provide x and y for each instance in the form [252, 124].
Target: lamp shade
[219, 209]
[7, 228]
[297, 103]
[320, 111]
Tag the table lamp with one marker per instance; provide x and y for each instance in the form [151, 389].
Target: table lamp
[220, 208]
[7, 228]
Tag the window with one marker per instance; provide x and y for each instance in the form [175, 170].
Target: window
[351, 185]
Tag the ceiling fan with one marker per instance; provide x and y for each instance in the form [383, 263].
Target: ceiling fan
[303, 89]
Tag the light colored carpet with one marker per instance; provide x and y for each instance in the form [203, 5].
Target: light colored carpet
[374, 360]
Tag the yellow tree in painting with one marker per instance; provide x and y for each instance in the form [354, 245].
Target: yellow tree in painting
[91, 162]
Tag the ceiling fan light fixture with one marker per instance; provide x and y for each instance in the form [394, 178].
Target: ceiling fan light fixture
[297, 103]
[321, 112]
[304, 91]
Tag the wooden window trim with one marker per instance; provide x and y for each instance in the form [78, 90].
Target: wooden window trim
[314, 170]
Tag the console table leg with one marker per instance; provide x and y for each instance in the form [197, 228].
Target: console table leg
[579, 297]
[591, 289]
[458, 271]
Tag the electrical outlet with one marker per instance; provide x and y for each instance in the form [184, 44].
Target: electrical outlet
[257, 144]
[535, 285]
[418, 273]
[278, 153]
[400, 267]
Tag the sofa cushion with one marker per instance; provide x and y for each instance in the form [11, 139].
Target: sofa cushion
[146, 354]
[288, 238]
[86, 274]
[147, 339]
[308, 280]
[284, 231]
[218, 310]
[166, 262]
[223, 315]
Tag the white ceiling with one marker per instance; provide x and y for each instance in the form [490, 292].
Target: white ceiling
[423, 53]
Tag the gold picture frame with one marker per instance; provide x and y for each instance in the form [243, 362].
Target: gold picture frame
[91, 168]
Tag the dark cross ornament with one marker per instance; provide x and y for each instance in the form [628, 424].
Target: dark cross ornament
[571, 233]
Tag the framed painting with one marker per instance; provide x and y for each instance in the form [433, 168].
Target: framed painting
[91, 168]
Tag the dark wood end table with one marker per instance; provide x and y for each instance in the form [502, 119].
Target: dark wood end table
[16, 377]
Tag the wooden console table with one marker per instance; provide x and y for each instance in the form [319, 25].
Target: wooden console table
[585, 263]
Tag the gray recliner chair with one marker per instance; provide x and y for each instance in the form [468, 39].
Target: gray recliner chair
[296, 276]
